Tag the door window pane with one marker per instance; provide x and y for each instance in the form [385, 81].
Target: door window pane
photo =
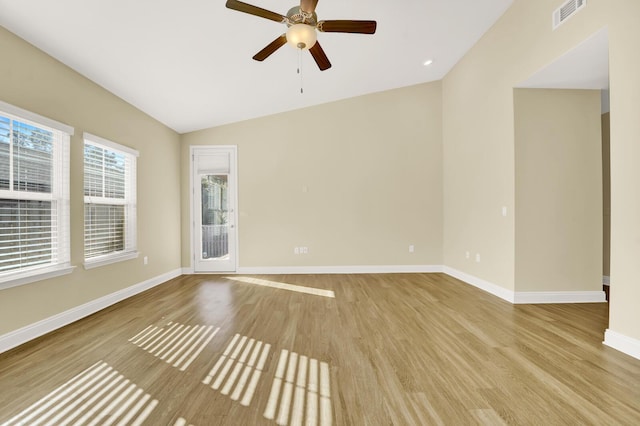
[215, 215]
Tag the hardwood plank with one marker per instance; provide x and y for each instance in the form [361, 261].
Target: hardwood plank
[388, 349]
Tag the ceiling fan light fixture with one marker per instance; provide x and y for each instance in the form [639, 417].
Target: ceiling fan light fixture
[303, 24]
[302, 36]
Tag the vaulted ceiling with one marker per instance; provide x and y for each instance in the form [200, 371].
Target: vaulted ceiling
[189, 63]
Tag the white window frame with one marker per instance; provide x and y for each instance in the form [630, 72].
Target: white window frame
[130, 202]
[61, 263]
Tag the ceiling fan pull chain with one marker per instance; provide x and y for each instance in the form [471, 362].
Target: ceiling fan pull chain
[300, 69]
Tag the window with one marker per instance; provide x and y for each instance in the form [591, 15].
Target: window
[34, 197]
[109, 201]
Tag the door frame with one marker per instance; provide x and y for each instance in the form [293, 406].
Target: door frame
[233, 174]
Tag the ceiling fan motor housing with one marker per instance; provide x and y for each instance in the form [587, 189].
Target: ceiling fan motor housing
[296, 15]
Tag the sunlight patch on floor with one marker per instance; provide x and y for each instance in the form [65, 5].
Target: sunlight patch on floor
[305, 397]
[285, 286]
[181, 422]
[255, 364]
[175, 343]
[98, 395]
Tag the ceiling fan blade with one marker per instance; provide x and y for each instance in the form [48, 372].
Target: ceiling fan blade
[348, 26]
[271, 47]
[308, 6]
[320, 57]
[255, 10]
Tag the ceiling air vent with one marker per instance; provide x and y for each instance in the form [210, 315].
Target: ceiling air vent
[567, 10]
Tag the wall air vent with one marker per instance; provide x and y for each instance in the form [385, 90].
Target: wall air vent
[567, 10]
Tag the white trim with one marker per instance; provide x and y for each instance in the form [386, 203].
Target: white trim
[236, 204]
[192, 219]
[20, 195]
[363, 269]
[187, 271]
[530, 297]
[622, 343]
[109, 144]
[494, 289]
[36, 118]
[109, 259]
[606, 280]
[233, 166]
[37, 329]
[30, 276]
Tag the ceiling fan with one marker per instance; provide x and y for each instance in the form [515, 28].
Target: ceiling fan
[302, 24]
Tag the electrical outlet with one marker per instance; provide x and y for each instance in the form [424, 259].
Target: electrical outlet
[304, 250]
[411, 248]
[296, 250]
[145, 260]
[478, 257]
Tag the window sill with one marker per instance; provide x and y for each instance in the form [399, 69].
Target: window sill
[109, 259]
[26, 277]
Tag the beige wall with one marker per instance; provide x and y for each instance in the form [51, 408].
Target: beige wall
[558, 165]
[34, 81]
[372, 166]
[430, 165]
[624, 70]
[606, 195]
[478, 141]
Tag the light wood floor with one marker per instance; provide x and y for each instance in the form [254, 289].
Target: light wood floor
[402, 349]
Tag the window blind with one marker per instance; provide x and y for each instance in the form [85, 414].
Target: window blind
[34, 194]
[109, 198]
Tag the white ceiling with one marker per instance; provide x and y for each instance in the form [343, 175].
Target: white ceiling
[188, 63]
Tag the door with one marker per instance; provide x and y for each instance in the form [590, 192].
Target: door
[214, 209]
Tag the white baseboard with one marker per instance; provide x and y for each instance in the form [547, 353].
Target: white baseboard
[365, 269]
[530, 297]
[494, 289]
[524, 297]
[606, 280]
[293, 270]
[32, 331]
[622, 343]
